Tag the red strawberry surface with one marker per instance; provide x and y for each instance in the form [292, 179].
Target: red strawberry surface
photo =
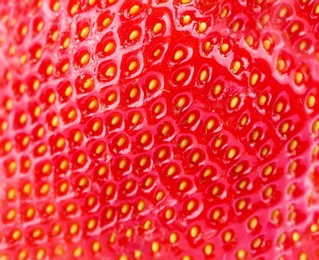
[163, 129]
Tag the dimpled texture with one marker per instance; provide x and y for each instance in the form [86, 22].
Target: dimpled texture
[161, 129]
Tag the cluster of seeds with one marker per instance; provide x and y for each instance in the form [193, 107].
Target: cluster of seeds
[132, 129]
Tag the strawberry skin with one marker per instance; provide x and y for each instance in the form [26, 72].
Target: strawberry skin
[161, 129]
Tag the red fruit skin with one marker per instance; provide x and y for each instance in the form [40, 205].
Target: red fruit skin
[177, 129]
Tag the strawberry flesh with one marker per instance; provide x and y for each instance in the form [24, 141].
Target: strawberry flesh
[184, 129]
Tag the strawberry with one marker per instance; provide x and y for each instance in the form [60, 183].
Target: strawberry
[161, 129]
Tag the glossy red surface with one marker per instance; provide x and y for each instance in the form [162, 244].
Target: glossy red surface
[159, 129]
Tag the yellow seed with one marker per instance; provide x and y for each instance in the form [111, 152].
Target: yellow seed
[85, 59]
[218, 142]
[210, 124]
[181, 102]
[93, 104]
[74, 9]
[224, 47]
[40, 254]
[109, 47]
[27, 188]
[56, 6]
[17, 234]
[49, 70]
[9, 104]
[253, 79]
[169, 213]
[236, 66]
[115, 119]
[235, 26]
[303, 256]
[314, 228]
[55, 35]
[132, 66]
[133, 92]
[144, 138]
[191, 118]
[231, 153]
[281, 64]
[185, 1]
[7, 146]
[296, 236]
[110, 71]
[37, 233]
[302, 45]
[241, 204]
[293, 145]
[171, 170]
[141, 206]
[50, 209]
[194, 231]
[147, 224]
[244, 120]
[279, 107]
[149, 182]
[23, 59]
[96, 246]
[257, 242]
[317, 9]
[202, 27]
[264, 151]
[133, 35]
[234, 101]
[285, 127]
[195, 157]
[173, 237]
[155, 247]
[315, 126]
[162, 153]
[294, 28]
[88, 83]
[157, 27]
[165, 129]
[66, 43]
[267, 44]
[183, 143]
[241, 254]
[242, 185]
[106, 22]
[157, 52]
[216, 214]
[178, 55]
[38, 53]
[23, 254]
[298, 77]
[249, 40]
[122, 164]
[159, 195]
[157, 108]
[24, 30]
[91, 224]
[228, 235]
[208, 249]
[268, 170]
[183, 185]
[180, 76]
[153, 83]
[40, 26]
[11, 214]
[186, 19]
[85, 32]
[217, 89]
[311, 101]
[191, 205]
[268, 192]
[203, 75]
[134, 9]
